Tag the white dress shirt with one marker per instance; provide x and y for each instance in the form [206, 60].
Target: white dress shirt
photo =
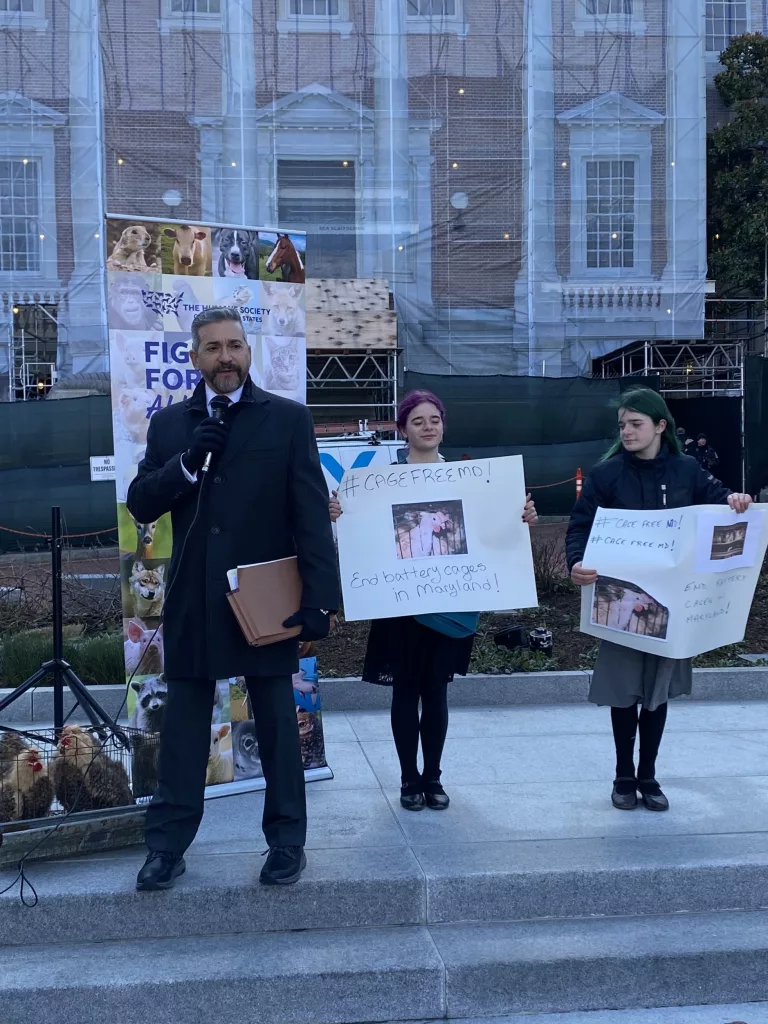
[210, 394]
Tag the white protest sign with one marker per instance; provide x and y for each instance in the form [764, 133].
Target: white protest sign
[673, 582]
[418, 539]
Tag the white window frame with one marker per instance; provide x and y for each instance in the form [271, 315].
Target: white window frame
[586, 148]
[31, 220]
[714, 55]
[174, 21]
[610, 127]
[438, 24]
[585, 23]
[26, 20]
[320, 23]
[36, 145]
[635, 211]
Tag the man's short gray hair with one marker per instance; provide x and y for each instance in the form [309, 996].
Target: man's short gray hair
[213, 315]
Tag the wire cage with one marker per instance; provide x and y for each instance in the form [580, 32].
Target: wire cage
[83, 770]
[625, 606]
[429, 529]
[728, 541]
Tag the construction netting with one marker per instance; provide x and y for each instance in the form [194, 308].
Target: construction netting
[527, 176]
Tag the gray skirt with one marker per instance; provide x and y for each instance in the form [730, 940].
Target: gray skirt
[623, 677]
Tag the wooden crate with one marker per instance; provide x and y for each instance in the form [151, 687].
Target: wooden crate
[336, 331]
[325, 295]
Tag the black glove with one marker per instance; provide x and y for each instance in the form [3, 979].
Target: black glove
[316, 623]
[209, 436]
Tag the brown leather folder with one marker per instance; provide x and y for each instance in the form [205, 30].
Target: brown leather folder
[267, 594]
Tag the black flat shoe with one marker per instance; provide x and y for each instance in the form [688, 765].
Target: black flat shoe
[160, 871]
[435, 796]
[284, 865]
[652, 796]
[624, 795]
[412, 796]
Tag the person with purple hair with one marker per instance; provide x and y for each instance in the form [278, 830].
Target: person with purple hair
[416, 660]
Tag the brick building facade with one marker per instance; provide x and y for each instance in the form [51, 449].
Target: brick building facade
[528, 175]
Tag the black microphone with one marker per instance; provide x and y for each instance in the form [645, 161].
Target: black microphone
[219, 406]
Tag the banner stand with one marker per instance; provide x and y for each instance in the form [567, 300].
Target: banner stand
[160, 274]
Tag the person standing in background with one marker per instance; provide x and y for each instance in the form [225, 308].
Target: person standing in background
[419, 660]
[687, 444]
[705, 454]
[644, 469]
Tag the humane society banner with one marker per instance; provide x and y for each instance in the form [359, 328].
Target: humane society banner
[417, 539]
[673, 582]
[160, 274]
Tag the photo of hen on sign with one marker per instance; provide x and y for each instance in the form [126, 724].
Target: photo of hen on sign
[676, 582]
[417, 540]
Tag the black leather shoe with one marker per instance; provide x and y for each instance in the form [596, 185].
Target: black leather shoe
[284, 865]
[435, 796]
[652, 796]
[412, 796]
[624, 795]
[160, 871]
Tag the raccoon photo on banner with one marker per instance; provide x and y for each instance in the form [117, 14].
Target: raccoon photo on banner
[160, 274]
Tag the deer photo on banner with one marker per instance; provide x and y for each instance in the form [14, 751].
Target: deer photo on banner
[160, 274]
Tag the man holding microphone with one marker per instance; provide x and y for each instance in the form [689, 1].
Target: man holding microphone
[264, 498]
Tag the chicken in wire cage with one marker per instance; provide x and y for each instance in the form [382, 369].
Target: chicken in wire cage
[78, 771]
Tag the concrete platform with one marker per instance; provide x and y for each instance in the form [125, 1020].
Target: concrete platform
[519, 689]
[735, 1013]
[530, 895]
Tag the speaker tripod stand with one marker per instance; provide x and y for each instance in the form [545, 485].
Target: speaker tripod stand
[59, 671]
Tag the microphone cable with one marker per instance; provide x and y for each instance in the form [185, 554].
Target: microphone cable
[21, 878]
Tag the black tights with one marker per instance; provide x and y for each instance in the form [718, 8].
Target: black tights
[625, 725]
[407, 727]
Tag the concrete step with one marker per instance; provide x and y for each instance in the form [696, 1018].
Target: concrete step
[395, 974]
[356, 975]
[518, 689]
[572, 878]
[478, 882]
[609, 963]
[733, 1013]
[219, 895]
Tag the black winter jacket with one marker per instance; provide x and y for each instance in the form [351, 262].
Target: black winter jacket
[265, 498]
[625, 481]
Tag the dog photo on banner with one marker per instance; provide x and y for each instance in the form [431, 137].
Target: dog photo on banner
[160, 274]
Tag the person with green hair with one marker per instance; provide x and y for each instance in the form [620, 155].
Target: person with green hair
[643, 469]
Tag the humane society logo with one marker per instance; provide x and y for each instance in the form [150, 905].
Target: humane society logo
[185, 311]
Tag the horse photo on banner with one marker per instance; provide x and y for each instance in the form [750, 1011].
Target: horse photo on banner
[160, 274]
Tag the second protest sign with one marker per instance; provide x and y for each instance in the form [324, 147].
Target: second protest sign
[432, 538]
[673, 582]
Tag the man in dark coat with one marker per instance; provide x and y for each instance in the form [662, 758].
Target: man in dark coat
[704, 453]
[264, 498]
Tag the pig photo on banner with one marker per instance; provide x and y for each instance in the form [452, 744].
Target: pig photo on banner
[160, 274]
[416, 540]
[674, 582]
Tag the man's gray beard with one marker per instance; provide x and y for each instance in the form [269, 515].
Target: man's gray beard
[211, 382]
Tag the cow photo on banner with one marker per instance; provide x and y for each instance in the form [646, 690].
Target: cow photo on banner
[160, 274]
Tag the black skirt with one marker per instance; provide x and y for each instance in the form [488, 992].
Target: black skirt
[402, 650]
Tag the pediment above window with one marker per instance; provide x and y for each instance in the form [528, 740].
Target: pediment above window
[16, 109]
[612, 108]
[316, 106]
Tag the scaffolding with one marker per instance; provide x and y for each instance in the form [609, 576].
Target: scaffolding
[526, 176]
[33, 351]
[344, 387]
[684, 369]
